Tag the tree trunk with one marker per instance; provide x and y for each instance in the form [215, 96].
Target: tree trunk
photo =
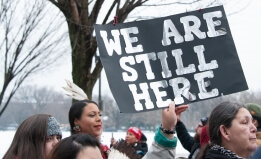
[83, 46]
[82, 56]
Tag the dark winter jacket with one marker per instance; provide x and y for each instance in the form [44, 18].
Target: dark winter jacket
[219, 152]
[141, 149]
[186, 140]
[213, 154]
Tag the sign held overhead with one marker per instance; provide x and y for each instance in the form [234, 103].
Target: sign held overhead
[186, 57]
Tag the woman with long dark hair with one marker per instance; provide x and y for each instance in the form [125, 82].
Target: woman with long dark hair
[35, 138]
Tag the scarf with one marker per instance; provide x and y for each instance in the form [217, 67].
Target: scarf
[104, 151]
[226, 152]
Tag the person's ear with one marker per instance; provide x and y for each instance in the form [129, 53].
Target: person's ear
[76, 126]
[224, 132]
[76, 121]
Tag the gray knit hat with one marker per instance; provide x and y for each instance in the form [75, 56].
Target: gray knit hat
[53, 127]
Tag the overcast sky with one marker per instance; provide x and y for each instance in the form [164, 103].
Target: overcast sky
[245, 27]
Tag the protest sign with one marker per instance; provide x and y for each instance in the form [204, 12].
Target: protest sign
[186, 57]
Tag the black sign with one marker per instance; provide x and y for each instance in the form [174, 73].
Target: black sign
[186, 57]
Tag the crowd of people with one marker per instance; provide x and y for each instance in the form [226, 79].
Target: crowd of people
[231, 131]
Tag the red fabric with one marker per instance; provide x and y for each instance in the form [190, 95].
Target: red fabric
[136, 131]
[104, 150]
[204, 137]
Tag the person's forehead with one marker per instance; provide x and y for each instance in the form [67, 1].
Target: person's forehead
[91, 107]
[128, 132]
[243, 113]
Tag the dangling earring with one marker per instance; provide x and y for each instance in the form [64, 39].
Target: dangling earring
[77, 128]
[136, 143]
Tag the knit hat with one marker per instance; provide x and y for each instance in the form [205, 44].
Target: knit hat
[255, 111]
[136, 131]
[204, 121]
[53, 127]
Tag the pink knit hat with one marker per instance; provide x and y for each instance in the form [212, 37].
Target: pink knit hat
[136, 131]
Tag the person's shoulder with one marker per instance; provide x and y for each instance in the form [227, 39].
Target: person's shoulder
[257, 154]
[214, 154]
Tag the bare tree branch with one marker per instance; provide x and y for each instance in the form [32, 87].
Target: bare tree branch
[95, 11]
[30, 43]
[110, 11]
